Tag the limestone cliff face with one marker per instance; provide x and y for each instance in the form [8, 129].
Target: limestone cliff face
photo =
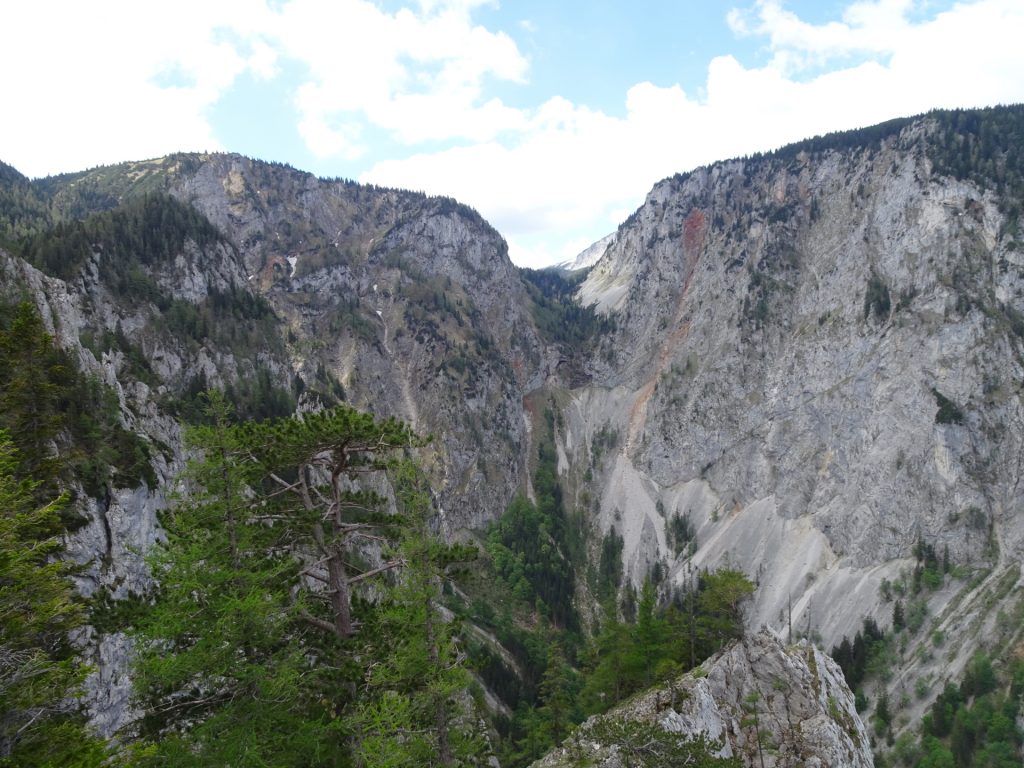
[765, 703]
[788, 328]
[121, 528]
[816, 360]
[409, 303]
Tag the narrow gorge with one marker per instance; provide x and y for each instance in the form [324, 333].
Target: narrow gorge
[804, 366]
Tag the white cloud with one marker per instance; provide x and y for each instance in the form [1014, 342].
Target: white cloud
[573, 170]
[92, 83]
[99, 82]
[868, 27]
[419, 76]
[105, 81]
[262, 60]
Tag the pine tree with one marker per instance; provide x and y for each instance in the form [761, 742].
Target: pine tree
[40, 672]
[33, 375]
[223, 672]
[882, 713]
[409, 712]
[253, 653]
[556, 693]
[312, 461]
[650, 636]
[720, 603]
[898, 618]
[609, 681]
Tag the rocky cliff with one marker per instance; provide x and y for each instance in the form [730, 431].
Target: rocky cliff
[165, 277]
[409, 302]
[812, 364]
[816, 363]
[759, 701]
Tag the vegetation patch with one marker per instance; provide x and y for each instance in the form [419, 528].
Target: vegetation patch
[645, 745]
[876, 297]
[972, 724]
[45, 400]
[558, 315]
[948, 412]
[142, 232]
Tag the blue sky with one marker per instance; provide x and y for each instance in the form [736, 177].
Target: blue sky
[553, 119]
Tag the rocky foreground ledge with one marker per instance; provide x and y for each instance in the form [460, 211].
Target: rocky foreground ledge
[760, 700]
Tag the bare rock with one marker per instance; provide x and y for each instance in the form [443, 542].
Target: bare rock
[759, 700]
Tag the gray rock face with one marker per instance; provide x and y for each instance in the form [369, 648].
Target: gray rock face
[589, 256]
[787, 330]
[108, 690]
[121, 527]
[762, 701]
[411, 303]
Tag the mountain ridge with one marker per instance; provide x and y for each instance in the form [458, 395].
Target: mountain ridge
[811, 359]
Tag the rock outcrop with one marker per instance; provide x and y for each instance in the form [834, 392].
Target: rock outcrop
[758, 700]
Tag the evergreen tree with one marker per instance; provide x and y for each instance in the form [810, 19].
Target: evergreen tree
[223, 670]
[608, 682]
[50, 407]
[310, 464]
[882, 713]
[721, 601]
[556, 693]
[629, 657]
[979, 677]
[898, 620]
[40, 673]
[650, 635]
[409, 713]
[252, 654]
[32, 376]
[936, 755]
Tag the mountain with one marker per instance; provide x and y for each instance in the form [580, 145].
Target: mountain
[816, 364]
[804, 365]
[404, 301]
[590, 255]
[166, 277]
[792, 326]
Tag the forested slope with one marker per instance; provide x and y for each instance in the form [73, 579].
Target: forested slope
[787, 395]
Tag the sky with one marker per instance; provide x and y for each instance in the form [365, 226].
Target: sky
[552, 118]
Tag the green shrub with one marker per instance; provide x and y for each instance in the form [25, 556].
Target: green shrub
[948, 412]
[876, 297]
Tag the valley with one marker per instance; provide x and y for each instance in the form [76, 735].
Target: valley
[804, 368]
